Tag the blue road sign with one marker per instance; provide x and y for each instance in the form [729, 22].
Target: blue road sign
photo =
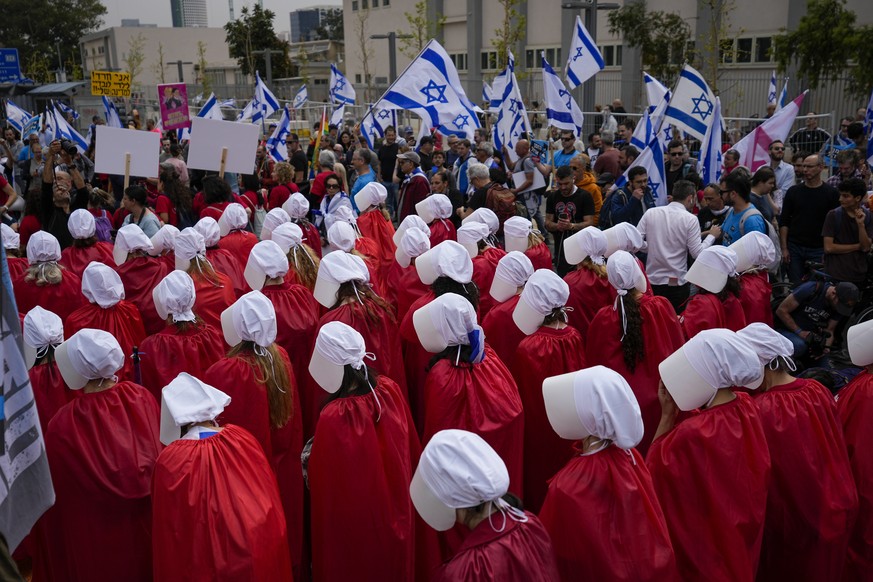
[10, 67]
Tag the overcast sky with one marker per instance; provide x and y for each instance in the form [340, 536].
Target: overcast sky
[158, 11]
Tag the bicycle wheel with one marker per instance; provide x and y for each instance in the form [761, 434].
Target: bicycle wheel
[865, 314]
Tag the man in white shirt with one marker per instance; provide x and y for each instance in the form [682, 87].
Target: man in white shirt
[672, 233]
[783, 170]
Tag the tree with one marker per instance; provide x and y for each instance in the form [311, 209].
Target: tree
[134, 59]
[512, 30]
[160, 64]
[331, 27]
[251, 32]
[421, 29]
[827, 44]
[661, 37]
[206, 86]
[365, 48]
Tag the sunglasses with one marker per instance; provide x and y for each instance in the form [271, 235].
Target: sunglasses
[332, 186]
[675, 154]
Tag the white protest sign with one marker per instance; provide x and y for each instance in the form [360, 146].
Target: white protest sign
[113, 144]
[212, 141]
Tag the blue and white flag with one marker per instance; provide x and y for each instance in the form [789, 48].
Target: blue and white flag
[655, 91]
[652, 159]
[498, 85]
[692, 103]
[301, 97]
[562, 110]
[31, 127]
[771, 93]
[60, 129]
[16, 116]
[486, 92]
[783, 95]
[341, 91]
[228, 103]
[710, 148]
[210, 110]
[431, 88]
[512, 120]
[376, 121]
[67, 110]
[868, 130]
[112, 117]
[584, 60]
[262, 105]
[276, 142]
[644, 132]
[336, 118]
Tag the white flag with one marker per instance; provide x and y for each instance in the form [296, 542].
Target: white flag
[301, 97]
[710, 149]
[16, 116]
[341, 91]
[584, 60]
[692, 103]
[655, 91]
[754, 149]
[561, 109]
[771, 93]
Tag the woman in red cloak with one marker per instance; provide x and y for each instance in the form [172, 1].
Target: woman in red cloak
[186, 344]
[361, 463]
[473, 236]
[302, 260]
[812, 502]
[234, 237]
[589, 285]
[221, 260]
[140, 273]
[374, 226]
[716, 524]
[717, 303]
[102, 448]
[297, 208]
[107, 310]
[343, 236]
[512, 272]
[258, 377]
[408, 287]
[855, 409]
[436, 211]
[46, 283]
[85, 247]
[521, 236]
[755, 251]
[462, 480]
[551, 347]
[216, 504]
[43, 332]
[396, 272]
[633, 336]
[12, 244]
[214, 289]
[601, 509]
[164, 244]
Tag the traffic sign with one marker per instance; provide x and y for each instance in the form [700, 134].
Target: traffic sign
[10, 67]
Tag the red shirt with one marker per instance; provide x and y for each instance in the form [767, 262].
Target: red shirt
[165, 206]
[279, 194]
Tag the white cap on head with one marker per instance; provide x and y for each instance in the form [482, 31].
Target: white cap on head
[43, 247]
[42, 329]
[413, 243]
[11, 239]
[297, 206]
[372, 194]
[164, 240]
[233, 218]
[411, 221]
[81, 224]
[754, 249]
[252, 318]
[469, 236]
[208, 227]
[89, 354]
[434, 206]
[272, 220]
[860, 341]
[102, 285]
[517, 230]
[485, 216]
[336, 346]
[447, 259]
[335, 269]
[344, 214]
[513, 270]
[130, 238]
[544, 292]
[597, 402]
[266, 261]
[186, 400]
[711, 360]
[189, 244]
[588, 242]
[175, 295]
[712, 268]
[768, 343]
[623, 237]
[342, 236]
[457, 469]
[288, 236]
[624, 272]
[445, 321]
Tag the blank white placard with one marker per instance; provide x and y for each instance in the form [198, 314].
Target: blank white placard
[209, 136]
[112, 143]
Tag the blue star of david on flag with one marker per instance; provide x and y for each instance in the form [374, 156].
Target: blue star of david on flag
[771, 98]
[461, 121]
[383, 114]
[702, 106]
[568, 98]
[654, 188]
[340, 83]
[513, 105]
[440, 92]
[578, 54]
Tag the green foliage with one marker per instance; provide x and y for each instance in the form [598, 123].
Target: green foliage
[134, 59]
[331, 27]
[661, 37]
[513, 29]
[206, 86]
[421, 29]
[251, 32]
[823, 44]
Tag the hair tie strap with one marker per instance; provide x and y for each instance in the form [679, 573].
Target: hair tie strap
[619, 299]
[263, 352]
[372, 357]
[507, 511]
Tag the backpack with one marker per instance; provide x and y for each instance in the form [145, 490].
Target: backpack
[103, 226]
[185, 218]
[771, 232]
[502, 201]
[604, 221]
[258, 215]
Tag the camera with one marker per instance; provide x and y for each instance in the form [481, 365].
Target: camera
[69, 147]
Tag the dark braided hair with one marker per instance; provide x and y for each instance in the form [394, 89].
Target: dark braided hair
[632, 346]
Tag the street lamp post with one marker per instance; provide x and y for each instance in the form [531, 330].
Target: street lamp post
[268, 63]
[179, 64]
[392, 52]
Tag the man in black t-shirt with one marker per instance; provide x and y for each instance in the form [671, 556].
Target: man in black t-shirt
[813, 307]
[568, 210]
[714, 209]
[297, 158]
[387, 155]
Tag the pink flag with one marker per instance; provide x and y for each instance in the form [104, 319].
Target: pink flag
[754, 148]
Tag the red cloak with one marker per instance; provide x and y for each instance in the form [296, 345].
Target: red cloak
[500, 330]
[484, 266]
[239, 244]
[540, 256]
[522, 552]
[662, 335]
[481, 398]
[122, 320]
[605, 520]
[169, 352]
[140, 276]
[61, 299]
[297, 315]
[49, 391]
[734, 315]
[588, 293]
[102, 448]
[249, 409]
[369, 252]
[415, 360]
[363, 458]
[311, 236]
[755, 297]
[408, 289]
[442, 229]
[216, 512]
[711, 474]
[75, 258]
[374, 227]
[812, 502]
[855, 409]
[17, 268]
[548, 352]
[212, 299]
[223, 261]
[380, 337]
[702, 311]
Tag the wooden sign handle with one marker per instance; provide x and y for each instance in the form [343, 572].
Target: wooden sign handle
[223, 162]
[126, 170]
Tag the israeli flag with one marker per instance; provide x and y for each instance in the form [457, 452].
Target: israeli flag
[644, 132]
[655, 91]
[210, 110]
[486, 92]
[652, 159]
[60, 129]
[562, 110]
[868, 130]
[262, 105]
[301, 97]
[341, 91]
[16, 116]
[584, 60]
[512, 120]
[67, 110]
[276, 142]
[692, 103]
[498, 85]
[771, 93]
[431, 88]
[377, 120]
[783, 95]
[336, 118]
[31, 127]
[710, 149]
[228, 103]
[112, 117]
